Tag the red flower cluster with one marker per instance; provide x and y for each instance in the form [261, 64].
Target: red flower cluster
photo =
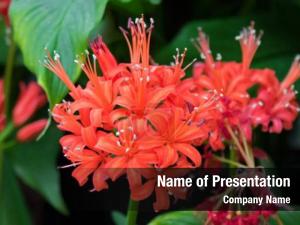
[140, 115]
[4, 6]
[237, 218]
[274, 107]
[31, 98]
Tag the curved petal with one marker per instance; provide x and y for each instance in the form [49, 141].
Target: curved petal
[142, 192]
[189, 151]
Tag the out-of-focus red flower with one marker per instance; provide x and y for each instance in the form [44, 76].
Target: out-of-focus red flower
[31, 98]
[130, 117]
[4, 6]
[31, 130]
[237, 217]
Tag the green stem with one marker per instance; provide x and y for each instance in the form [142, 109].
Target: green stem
[3, 135]
[233, 164]
[8, 76]
[6, 132]
[132, 212]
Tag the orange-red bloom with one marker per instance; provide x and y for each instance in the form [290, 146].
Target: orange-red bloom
[130, 117]
[31, 131]
[31, 98]
[234, 218]
[140, 115]
[275, 106]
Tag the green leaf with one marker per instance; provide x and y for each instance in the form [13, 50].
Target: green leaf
[35, 164]
[287, 218]
[118, 218]
[13, 208]
[279, 42]
[63, 26]
[179, 218]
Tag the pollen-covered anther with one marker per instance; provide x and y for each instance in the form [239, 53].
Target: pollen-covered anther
[260, 103]
[119, 143]
[196, 109]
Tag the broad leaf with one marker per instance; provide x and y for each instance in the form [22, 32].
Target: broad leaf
[180, 218]
[35, 164]
[12, 206]
[287, 218]
[63, 26]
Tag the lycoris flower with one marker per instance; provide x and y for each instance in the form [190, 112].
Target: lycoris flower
[130, 117]
[31, 98]
[139, 115]
[275, 107]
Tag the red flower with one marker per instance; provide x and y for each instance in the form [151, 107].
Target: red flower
[237, 217]
[173, 136]
[4, 6]
[231, 81]
[31, 131]
[139, 115]
[275, 107]
[111, 121]
[31, 98]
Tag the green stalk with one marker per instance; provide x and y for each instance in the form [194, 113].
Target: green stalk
[232, 163]
[8, 76]
[132, 212]
[3, 135]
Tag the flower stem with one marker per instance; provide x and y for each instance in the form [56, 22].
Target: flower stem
[232, 163]
[239, 146]
[3, 135]
[6, 132]
[132, 212]
[8, 76]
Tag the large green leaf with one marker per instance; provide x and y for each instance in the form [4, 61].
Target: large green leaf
[287, 218]
[280, 42]
[35, 164]
[12, 206]
[63, 26]
[179, 218]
